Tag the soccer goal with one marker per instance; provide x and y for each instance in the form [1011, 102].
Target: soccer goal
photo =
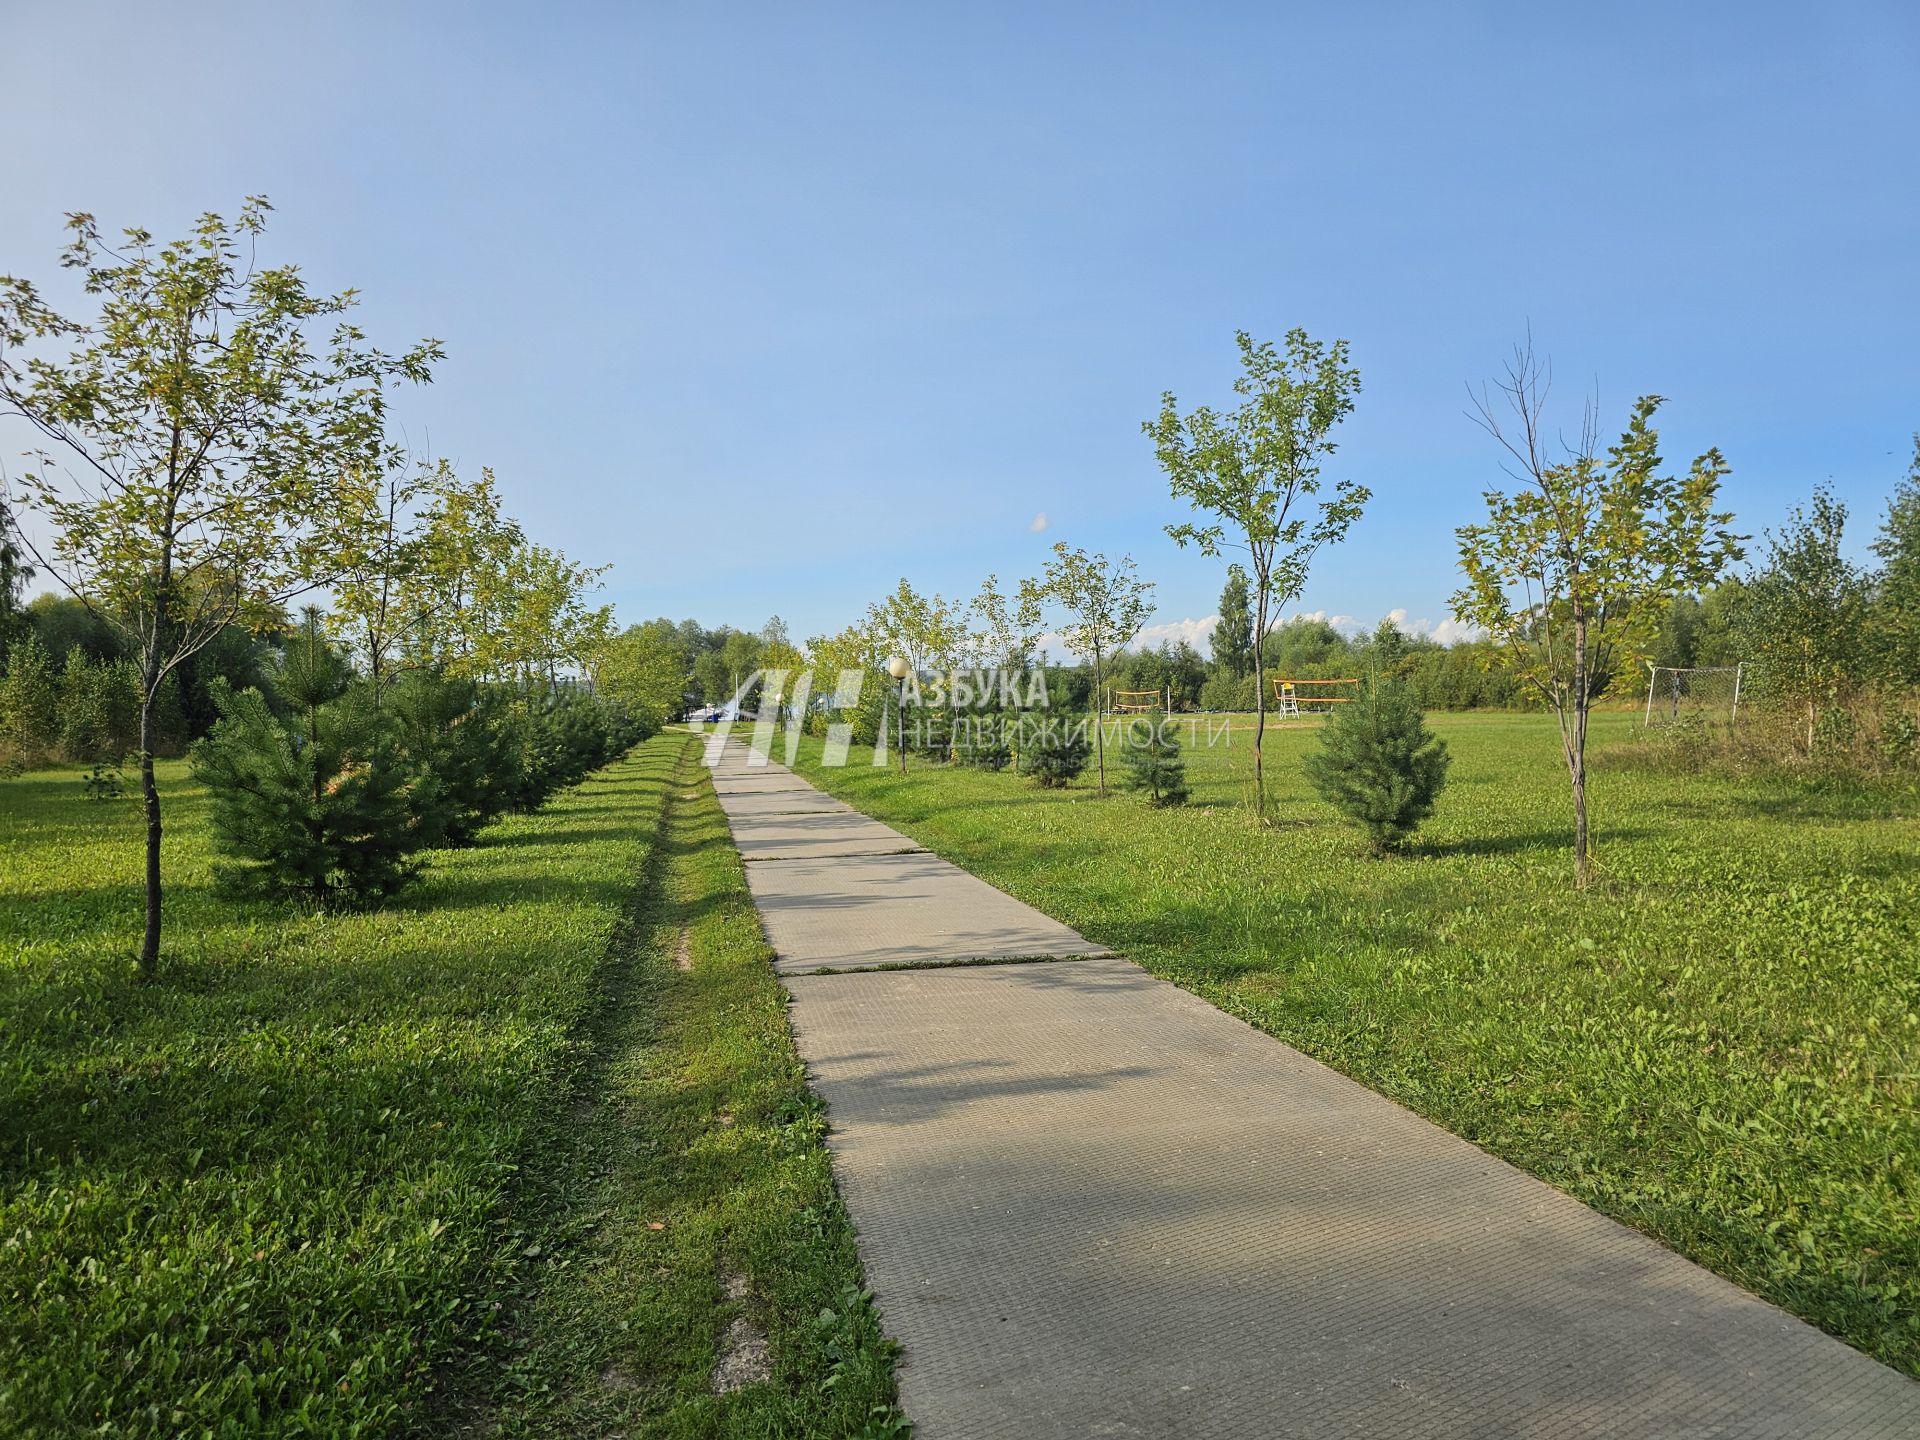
[1712, 691]
[1290, 695]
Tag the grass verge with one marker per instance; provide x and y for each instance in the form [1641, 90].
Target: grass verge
[693, 1271]
[262, 1196]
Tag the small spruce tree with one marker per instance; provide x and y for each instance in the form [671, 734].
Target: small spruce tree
[1379, 764]
[1153, 764]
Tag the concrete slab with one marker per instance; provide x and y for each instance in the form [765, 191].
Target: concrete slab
[864, 911]
[781, 802]
[761, 784]
[1091, 1204]
[816, 837]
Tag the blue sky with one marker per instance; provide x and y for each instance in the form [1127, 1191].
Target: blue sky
[769, 305]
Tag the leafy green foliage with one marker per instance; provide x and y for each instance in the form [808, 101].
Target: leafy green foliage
[99, 708]
[1379, 764]
[1106, 603]
[1897, 603]
[1151, 756]
[1233, 635]
[15, 572]
[29, 703]
[103, 782]
[1801, 616]
[562, 735]
[1572, 572]
[200, 443]
[1254, 468]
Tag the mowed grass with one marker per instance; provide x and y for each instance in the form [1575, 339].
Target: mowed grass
[1720, 1044]
[700, 1277]
[268, 1193]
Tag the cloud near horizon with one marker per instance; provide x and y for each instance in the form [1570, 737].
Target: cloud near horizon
[1199, 632]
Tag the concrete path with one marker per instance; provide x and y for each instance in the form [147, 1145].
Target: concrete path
[1090, 1204]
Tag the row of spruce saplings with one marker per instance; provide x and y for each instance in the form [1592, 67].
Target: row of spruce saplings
[323, 786]
[1052, 747]
[1377, 763]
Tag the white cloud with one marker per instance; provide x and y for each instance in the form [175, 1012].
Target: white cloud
[1345, 624]
[1171, 632]
[1038, 523]
[1199, 632]
[1450, 631]
[1195, 632]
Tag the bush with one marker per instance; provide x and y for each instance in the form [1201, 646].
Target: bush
[1152, 763]
[322, 805]
[29, 704]
[1379, 764]
[99, 708]
[1053, 751]
[1226, 691]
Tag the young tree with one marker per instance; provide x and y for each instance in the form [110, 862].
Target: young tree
[928, 631]
[206, 435]
[1153, 764]
[14, 575]
[1379, 764]
[1897, 603]
[454, 597]
[1571, 573]
[29, 703]
[1233, 636]
[1255, 468]
[1107, 604]
[381, 552]
[1803, 615]
[644, 668]
[1008, 627]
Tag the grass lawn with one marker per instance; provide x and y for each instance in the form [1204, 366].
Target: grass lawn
[325, 1177]
[1719, 1045]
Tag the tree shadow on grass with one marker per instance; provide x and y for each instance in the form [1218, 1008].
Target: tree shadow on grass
[1517, 844]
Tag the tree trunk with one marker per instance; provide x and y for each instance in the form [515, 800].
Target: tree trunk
[1581, 864]
[1260, 703]
[1577, 756]
[150, 797]
[1099, 734]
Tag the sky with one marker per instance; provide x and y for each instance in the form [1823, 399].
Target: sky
[767, 306]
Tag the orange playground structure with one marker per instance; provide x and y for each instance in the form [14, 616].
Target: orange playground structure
[1290, 695]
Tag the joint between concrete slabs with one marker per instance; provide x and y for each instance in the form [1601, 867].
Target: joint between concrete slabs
[964, 962]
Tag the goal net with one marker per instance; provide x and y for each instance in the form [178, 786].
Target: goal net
[1711, 692]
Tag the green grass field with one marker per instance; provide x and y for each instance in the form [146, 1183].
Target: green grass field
[342, 1174]
[1718, 1045]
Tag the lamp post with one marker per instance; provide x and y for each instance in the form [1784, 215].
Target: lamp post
[899, 669]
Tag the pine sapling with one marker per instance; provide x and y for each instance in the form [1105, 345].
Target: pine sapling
[1379, 764]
